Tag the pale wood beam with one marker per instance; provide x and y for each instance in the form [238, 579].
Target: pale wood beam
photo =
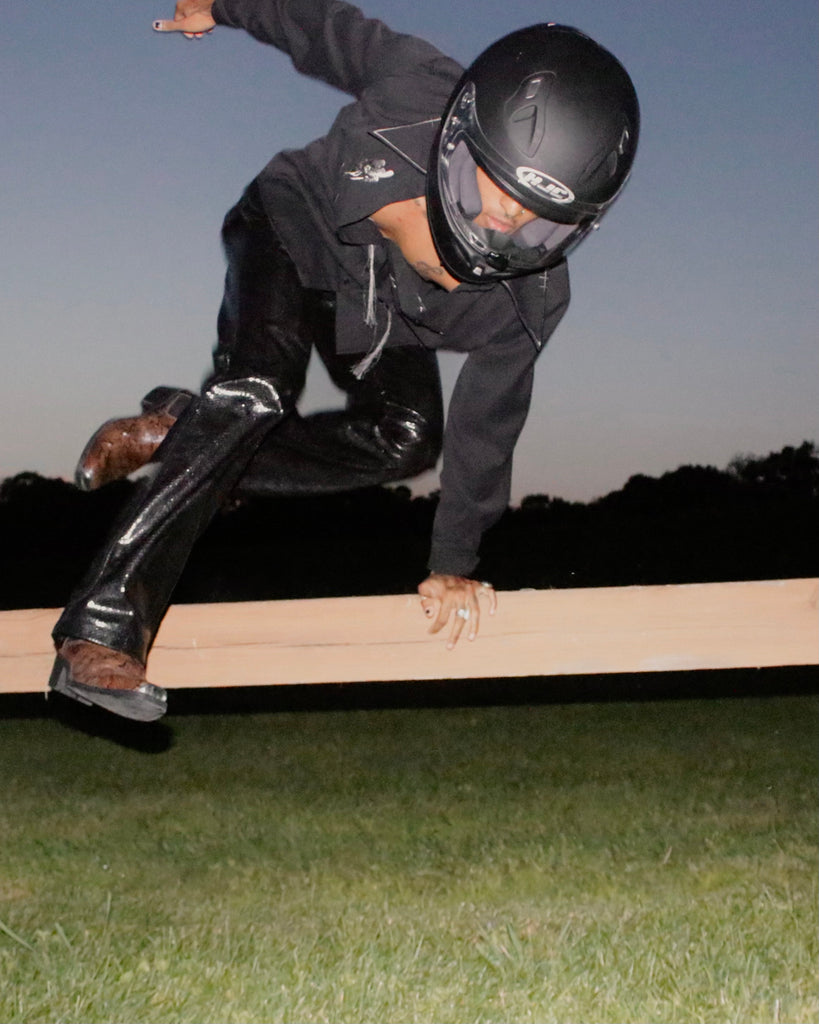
[535, 633]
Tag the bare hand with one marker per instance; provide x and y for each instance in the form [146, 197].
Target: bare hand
[192, 17]
[455, 597]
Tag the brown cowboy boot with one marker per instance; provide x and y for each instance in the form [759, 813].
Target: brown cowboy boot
[93, 674]
[122, 446]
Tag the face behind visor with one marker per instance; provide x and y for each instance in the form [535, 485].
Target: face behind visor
[539, 244]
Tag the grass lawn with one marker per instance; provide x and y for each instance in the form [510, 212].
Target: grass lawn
[645, 861]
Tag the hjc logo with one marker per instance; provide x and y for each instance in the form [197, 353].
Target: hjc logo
[549, 187]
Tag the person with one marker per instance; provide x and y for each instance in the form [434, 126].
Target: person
[437, 213]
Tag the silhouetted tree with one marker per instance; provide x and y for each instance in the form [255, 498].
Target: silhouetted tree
[755, 520]
[795, 470]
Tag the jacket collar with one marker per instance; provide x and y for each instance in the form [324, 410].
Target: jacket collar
[413, 142]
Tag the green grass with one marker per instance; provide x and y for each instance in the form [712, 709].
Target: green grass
[621, 862]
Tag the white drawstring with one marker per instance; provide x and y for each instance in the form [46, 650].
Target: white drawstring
[374, 354]
[370, 320]
[369, 315]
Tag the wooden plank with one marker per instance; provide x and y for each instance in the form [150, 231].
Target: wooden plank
[535, 633]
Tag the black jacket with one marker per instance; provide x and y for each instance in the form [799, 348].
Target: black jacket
[320, 199]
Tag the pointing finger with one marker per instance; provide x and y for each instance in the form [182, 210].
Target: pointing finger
[193, 28]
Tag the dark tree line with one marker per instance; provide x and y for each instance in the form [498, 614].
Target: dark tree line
[754, 520]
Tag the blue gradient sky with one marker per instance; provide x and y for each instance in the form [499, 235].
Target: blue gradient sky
[693, 330]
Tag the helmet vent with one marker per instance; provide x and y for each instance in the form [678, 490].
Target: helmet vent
[526, 112]
[600, 169]
[603, 167]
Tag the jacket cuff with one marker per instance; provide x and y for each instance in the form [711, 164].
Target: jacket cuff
[221, 14]
[451, 561]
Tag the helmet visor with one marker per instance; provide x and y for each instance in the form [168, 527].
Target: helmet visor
[475, 253]
[539, 244]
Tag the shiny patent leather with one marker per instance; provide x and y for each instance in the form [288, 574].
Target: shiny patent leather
[243, 434]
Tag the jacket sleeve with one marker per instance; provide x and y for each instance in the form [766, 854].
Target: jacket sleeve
[332, 40]
[487, 411]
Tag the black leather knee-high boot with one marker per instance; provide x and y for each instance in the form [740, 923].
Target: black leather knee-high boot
[123, 597]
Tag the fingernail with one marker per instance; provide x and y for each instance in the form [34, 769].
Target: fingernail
[157, 25]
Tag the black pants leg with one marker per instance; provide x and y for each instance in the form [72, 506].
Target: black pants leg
[390, 430]
[225, 438]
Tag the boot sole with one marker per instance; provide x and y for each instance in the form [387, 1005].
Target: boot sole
[146, 703]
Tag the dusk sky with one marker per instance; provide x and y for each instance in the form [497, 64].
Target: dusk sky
[692, 335]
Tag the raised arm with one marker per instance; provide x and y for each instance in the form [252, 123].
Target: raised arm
[326, 39]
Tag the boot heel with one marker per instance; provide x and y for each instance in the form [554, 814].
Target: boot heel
[60, 682]
[171, 401]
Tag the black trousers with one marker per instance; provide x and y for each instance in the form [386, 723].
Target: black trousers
[242, 434]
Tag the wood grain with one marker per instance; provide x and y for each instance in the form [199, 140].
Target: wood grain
[535, 633]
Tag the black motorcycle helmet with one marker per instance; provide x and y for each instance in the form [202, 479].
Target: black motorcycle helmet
[553, 119]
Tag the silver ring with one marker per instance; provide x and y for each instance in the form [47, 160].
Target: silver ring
[487, 585]
[463, 613]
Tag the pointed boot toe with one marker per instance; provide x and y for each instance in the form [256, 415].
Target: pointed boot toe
[122, 446]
